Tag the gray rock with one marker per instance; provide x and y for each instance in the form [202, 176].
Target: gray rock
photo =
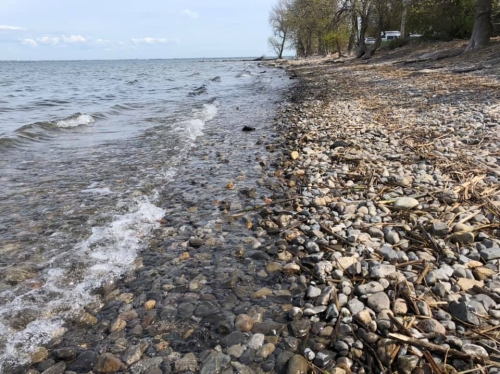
[405, 203]
[406, 364]
[355, 306]
[268, 328]
[85, 362]
[388, 253]
[313, 292]
[314, 310]
[379, 301]
[392, 237]
[431, 325]
[440, 229]
[301, 327]
[215, 362]
[256, 341]
[475, 350]
[375, 232]
[369, 288]
[240, 368]
[188, 363]
[382, 271]
[489, 254]
[234, 338]
[146, 366]
[464, 312]
[58, 368]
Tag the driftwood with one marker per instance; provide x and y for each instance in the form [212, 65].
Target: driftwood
[439, 348]
[467, 70]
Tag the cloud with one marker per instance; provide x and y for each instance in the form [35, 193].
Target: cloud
[152, 40]
[10, 28]
[74, 39]
[30, 42]
[102, 41]
[52, 40]
[190, 14]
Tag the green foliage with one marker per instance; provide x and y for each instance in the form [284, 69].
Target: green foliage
[442, 19]
[395, 43]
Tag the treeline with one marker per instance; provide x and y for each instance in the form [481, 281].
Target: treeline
[327, 26]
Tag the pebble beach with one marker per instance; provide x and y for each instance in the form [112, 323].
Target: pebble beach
[365, 239]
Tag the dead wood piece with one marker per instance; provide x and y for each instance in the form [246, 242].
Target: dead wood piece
[436, 348]
[467, 70]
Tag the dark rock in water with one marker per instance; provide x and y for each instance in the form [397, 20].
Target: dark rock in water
[248, 356]
[58, 368]
[248, 128]
[234, 338]
[215, 362]
[84, 363]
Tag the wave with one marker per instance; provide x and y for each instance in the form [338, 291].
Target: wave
[42, 131]
[107, 254]
[193, 128]
[198, 91]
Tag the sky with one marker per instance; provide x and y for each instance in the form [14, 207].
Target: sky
[133, 29]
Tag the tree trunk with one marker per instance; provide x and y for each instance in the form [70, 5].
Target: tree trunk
[282, 48]
[403, 18]
[482, 25]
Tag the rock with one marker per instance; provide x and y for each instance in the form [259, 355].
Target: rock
[379, 301]
[489, 254]
[301, 327]
[266, 350]
[85, 362]
[243, 323]
[314, 310]
[369, 288]
[147, 366]
[248, 128]
[400, 307]
[117, 325]
[58, 368]
[294, 155]
[382, 271]
[467, 284]
[431, 325]
[462, 227]
[463, 311]
[215, 363]
[297, 365]
[440, 230]
[109, 363]
[463, 237]
[256, 341]
[375, 232]
[392, 237]
[189, 363]
[406, 364]
[268, 328]
[241, 369]
[405, 203]
[475, 350]
[195, 242]
[236, 337]
[355, 306]
[134, 352]
[313, 292]
[40, 355]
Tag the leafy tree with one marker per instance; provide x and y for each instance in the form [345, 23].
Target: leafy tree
[278, 20]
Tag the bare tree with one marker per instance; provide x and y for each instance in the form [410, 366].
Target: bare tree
[280, 26]
[482, 25]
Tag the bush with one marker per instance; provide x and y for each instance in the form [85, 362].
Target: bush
[395, 43]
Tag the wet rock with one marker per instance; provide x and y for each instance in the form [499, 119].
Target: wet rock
[146, 366]
[301, 327]
[58, 368]
[256, 341]
[297, 365]
[109, 363]
[188, 363]
[134, 352]
[215, 363]
[243, 323]
[234, 338]
[85, 362]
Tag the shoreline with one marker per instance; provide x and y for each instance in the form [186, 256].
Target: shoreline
[361, 258]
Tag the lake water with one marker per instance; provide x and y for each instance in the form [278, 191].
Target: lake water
[87, 151]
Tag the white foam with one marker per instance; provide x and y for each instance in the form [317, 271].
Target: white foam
[75, 121]
[99, 191]
[108, 253]
[194, 128]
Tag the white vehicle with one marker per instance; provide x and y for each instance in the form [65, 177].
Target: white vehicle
[369, 40]
[390, 35]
